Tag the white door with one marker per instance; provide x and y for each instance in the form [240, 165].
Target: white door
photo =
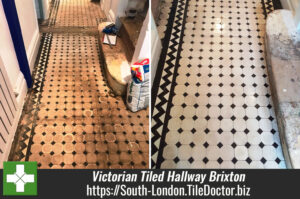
[8, 114]
[114, 8]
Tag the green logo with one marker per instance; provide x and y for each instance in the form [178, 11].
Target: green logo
[20, 178]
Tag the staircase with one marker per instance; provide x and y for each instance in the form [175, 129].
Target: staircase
[117, 59]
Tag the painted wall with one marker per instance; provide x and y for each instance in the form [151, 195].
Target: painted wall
[7, 50]
[143, 46]
[30, 29]
[290, 4]
[297, 18]
[114, 8]
[44, 5]
[31, 36]
[156, 47]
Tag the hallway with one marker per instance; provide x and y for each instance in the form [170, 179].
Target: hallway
[71, 118]
[211, 101]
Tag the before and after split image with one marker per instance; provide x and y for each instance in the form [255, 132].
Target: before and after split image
[150, 84]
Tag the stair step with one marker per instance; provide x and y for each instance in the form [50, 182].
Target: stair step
[130, 31]
[116, 64]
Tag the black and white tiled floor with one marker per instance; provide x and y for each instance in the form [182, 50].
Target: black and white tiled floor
[163, 17]
[212, 105]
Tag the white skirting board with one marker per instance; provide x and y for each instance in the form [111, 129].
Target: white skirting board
[33, 49]
[155, 55]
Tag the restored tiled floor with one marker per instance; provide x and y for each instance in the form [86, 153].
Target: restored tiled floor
[163, 17]
[71, 119]
[212, 103]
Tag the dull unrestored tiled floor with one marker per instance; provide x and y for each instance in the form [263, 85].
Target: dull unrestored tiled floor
[75, 13]
[71, 119]
[213, 106]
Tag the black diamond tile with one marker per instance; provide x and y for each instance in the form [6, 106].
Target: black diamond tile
[233, 131]
[193, 130]
[195, 117]
[220, 131]
[273, 131]
[220, 145]
[176, 160]
[182, 117]
[178, 144]
[206, 130]
[206, 145]
[205, 160]
[246, 131]
[275, 145]
[192, 144]
[277, 160]
[248, 160]
[191, 160]
[261, 145]
[234, 160]
[263, 160]
[248, 145]
[233, 145]
[220, 160]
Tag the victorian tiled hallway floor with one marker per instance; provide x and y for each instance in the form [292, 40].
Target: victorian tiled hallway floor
[71, 119]
[211, 99]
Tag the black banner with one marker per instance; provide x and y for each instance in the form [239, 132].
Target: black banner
[254, 184]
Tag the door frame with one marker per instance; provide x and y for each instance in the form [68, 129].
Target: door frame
[17, 38]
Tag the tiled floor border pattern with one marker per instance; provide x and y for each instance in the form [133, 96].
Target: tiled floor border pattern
[165, 79]
[22, 146]
[169, 60]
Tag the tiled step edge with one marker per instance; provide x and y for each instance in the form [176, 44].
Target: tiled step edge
[283, 60]
[115, 63]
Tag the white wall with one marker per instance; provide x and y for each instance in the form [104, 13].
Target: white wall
[143, 46]
[114, 8]
[10, 61]
[156, 47]
[297, 18]
[30, 32]
[290, 4]
[7, 50]
[45, 6]
[30, 29]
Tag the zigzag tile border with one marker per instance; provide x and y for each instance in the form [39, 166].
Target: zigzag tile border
[29, 114]
[270, 5]
[165, 92]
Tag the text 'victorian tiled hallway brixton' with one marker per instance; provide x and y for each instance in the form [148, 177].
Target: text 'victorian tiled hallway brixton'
[212, 105]
[71, 119]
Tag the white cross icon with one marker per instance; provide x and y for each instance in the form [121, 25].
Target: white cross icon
[20, 178]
